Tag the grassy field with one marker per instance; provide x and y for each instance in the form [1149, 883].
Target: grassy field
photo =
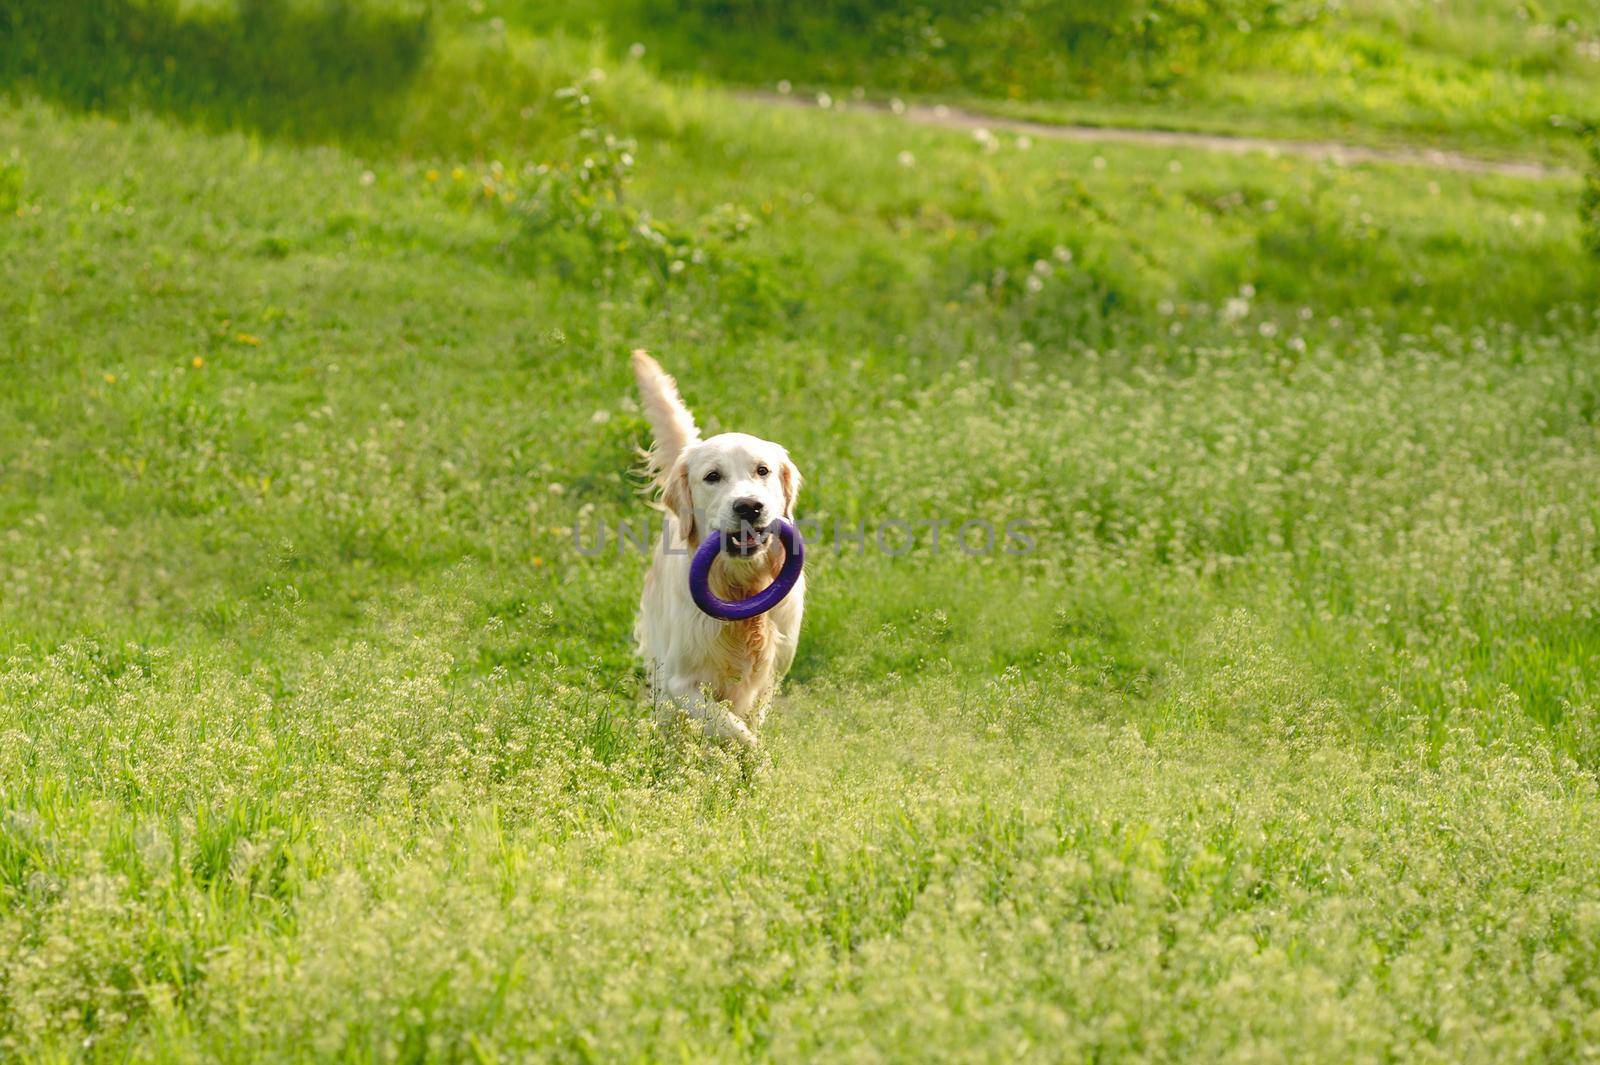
[1491, 76]
[320, 737]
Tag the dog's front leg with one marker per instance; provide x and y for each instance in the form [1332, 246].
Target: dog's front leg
[715, 715]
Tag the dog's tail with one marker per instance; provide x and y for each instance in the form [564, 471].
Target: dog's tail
[671, 424]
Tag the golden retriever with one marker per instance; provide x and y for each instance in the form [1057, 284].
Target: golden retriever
[721, 673]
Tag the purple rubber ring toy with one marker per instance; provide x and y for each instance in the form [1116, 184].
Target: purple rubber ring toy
[762, 601]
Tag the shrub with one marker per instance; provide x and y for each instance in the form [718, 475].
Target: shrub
[1002, 47]
[285, 66]
[578, 219]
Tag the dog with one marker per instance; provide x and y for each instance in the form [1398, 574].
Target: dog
[720, 673]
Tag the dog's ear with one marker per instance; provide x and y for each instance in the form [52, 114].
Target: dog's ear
[679, 501]
[789, 477]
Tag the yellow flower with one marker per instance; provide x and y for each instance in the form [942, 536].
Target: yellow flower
[457, 174]
[111, 378]
[197, 362]
[433, 175]
[246, 338]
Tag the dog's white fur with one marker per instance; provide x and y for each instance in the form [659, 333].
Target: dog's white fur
[722, 673]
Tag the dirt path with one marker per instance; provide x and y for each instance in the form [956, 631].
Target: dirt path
[958, 118]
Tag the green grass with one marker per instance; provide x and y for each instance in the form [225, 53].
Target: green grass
[1491, 76]
[319, 737]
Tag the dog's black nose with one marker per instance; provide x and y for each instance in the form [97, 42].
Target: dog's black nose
[749, 509]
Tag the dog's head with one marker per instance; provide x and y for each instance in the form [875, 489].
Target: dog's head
[736, 484]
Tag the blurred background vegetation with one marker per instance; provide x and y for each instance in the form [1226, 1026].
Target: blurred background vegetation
[1498, 75]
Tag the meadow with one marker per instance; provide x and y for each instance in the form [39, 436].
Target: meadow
[321, 735]
[1493, 76]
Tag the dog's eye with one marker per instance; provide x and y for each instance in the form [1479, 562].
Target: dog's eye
[762, 471]
[713, 477]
